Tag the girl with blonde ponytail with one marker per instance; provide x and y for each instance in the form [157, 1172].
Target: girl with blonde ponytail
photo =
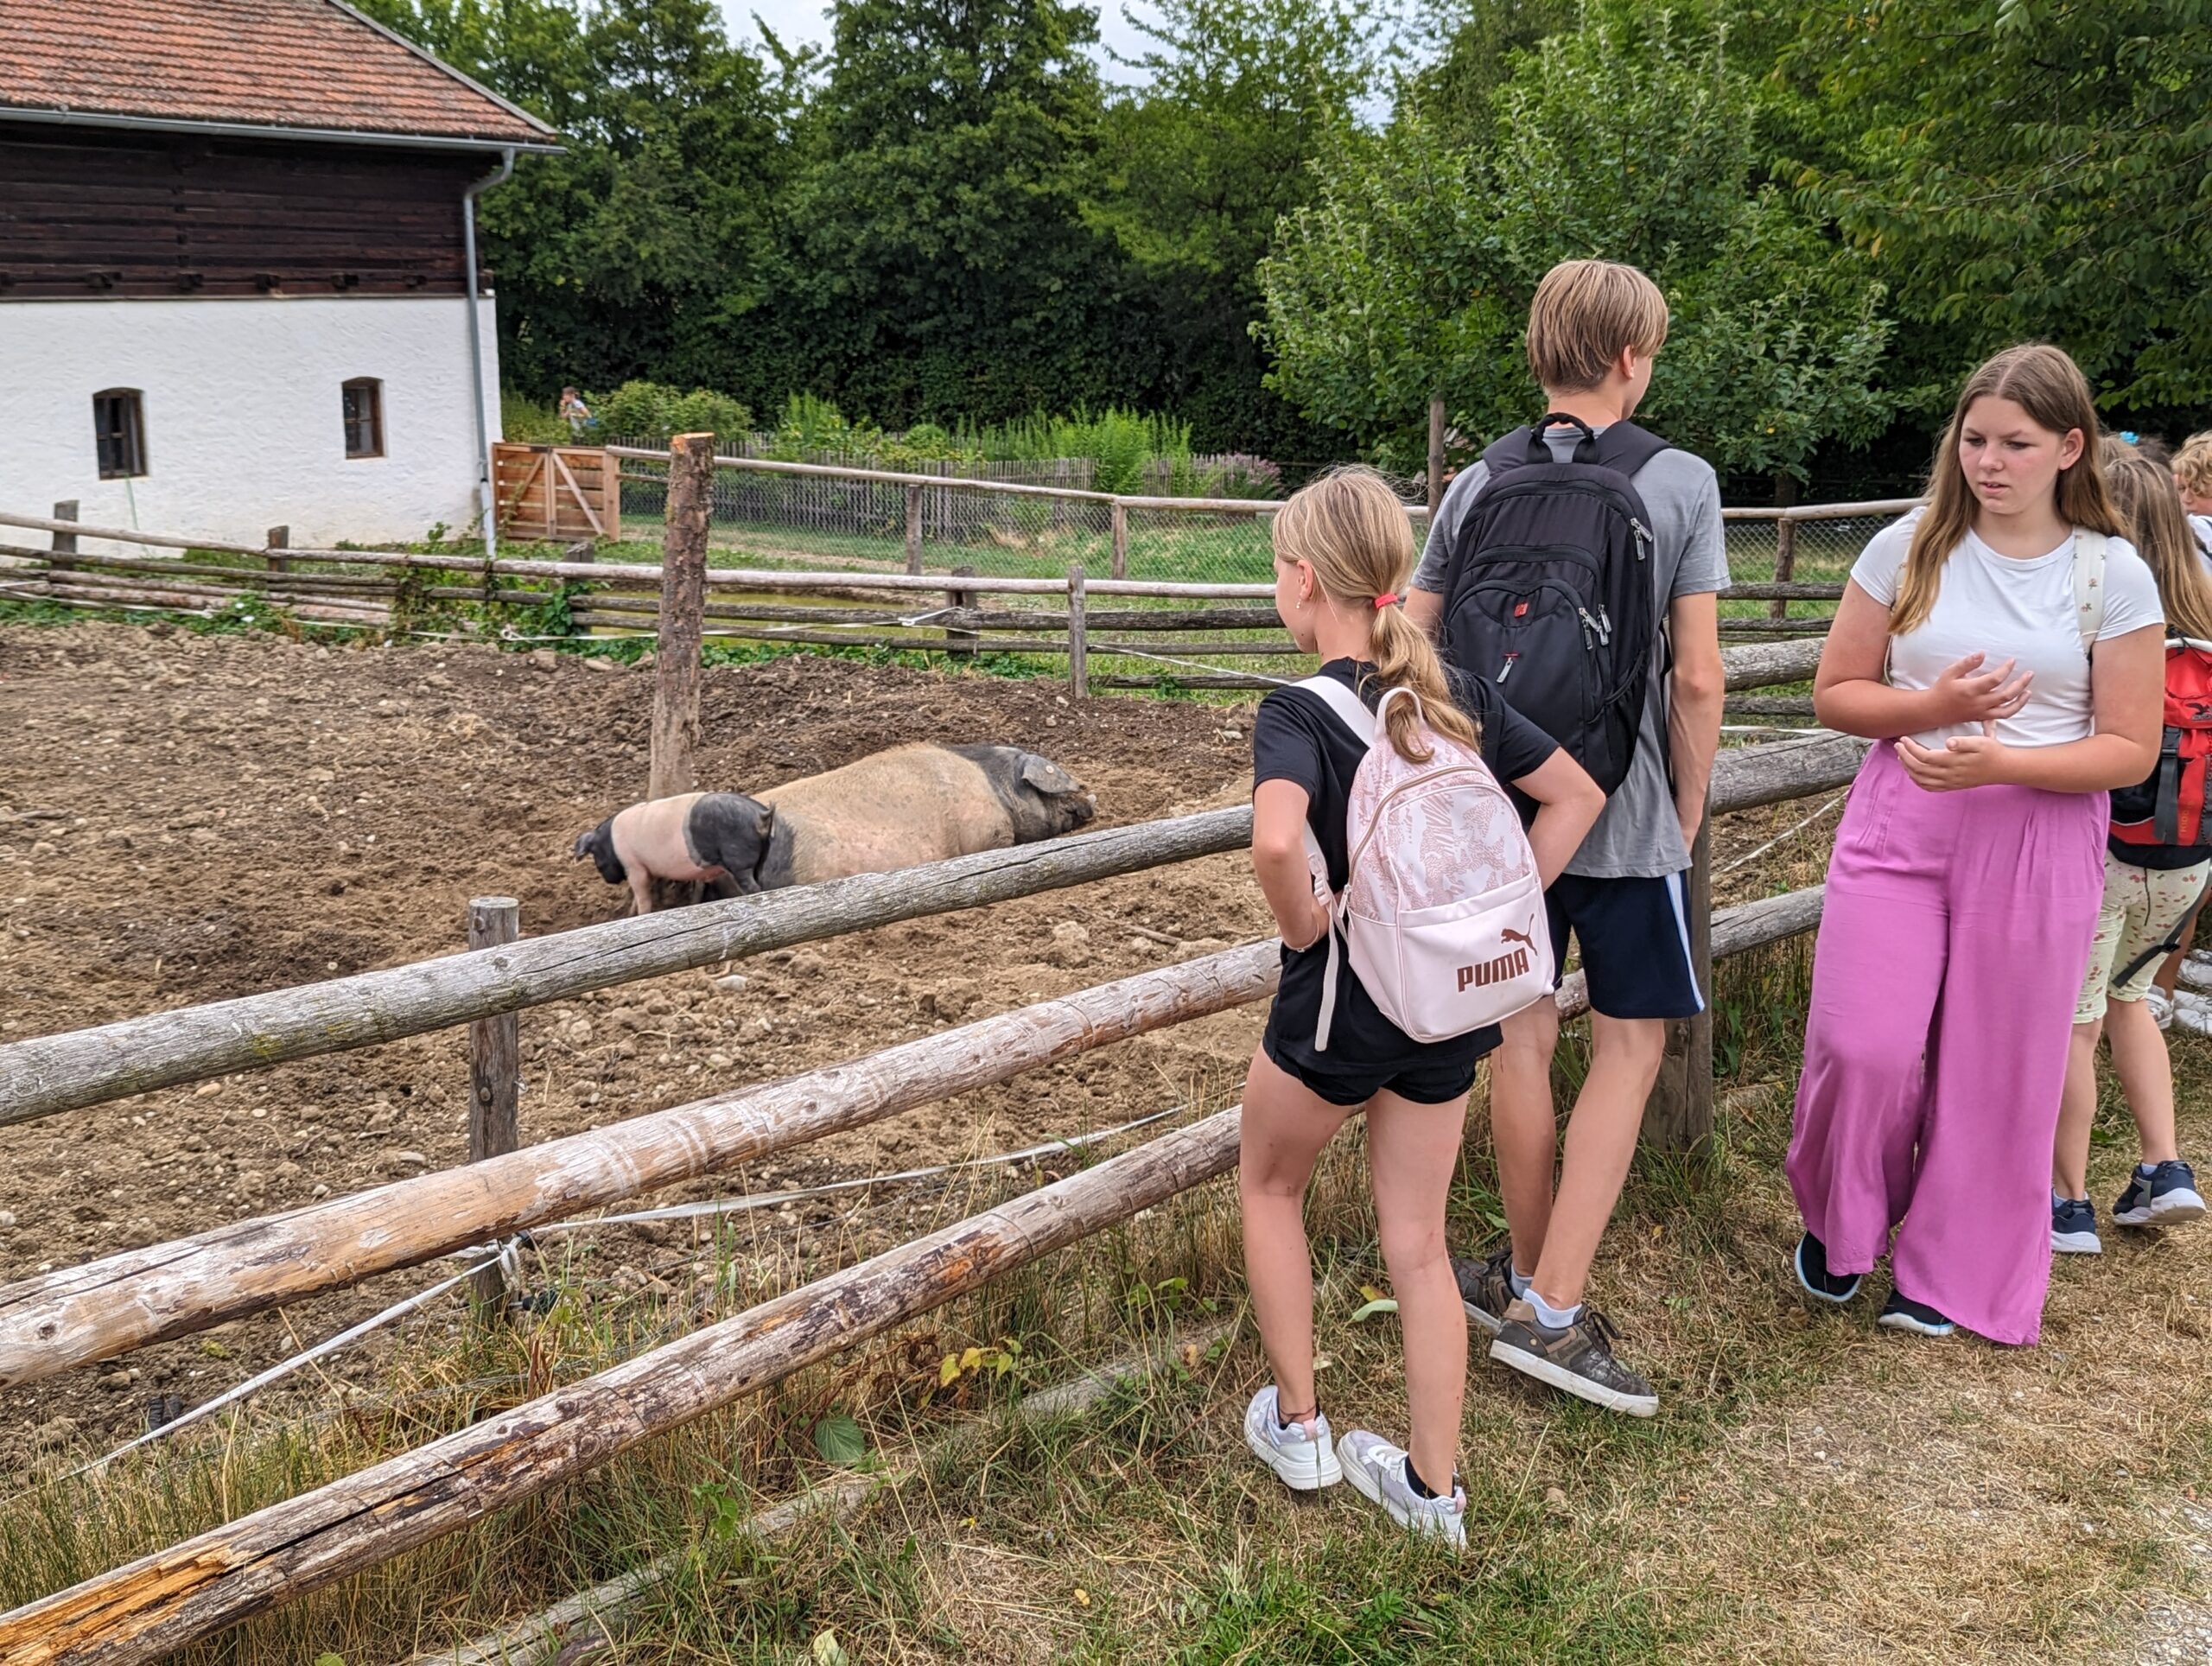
[1344, 554]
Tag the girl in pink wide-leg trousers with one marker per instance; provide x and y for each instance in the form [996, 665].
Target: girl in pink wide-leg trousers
[1995, 890]
[2003, 646]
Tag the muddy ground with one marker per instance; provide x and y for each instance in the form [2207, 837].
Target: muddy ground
[185, 818]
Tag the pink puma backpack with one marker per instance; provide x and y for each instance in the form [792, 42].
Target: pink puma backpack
[1442, 912]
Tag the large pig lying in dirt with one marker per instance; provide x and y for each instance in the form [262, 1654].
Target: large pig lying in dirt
[895, 808]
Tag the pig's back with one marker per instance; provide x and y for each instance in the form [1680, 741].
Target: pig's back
[895, 808]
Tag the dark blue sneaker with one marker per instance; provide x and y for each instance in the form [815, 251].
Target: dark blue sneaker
[1902, 1312]
[2073, 1227]
[1812, 1263]
[2166, 1196]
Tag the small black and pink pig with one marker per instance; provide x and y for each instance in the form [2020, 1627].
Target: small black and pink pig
[896, 808]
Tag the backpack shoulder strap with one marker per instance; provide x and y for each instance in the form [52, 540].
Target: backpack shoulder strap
[1507, 452]
[1350, 710]
[2090, 550]
[1626, 448]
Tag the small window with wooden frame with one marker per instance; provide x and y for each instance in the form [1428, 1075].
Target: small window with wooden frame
[362, 401]
[119, 432]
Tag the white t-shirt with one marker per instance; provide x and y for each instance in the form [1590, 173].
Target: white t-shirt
[2005, 608]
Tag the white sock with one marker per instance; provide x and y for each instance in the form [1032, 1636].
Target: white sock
[1519, 1280]
[1551, 1317]
[2144, 1171]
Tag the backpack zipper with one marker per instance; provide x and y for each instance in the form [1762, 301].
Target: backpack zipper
[1643, 536]
[1603, 630]
[1508, 671]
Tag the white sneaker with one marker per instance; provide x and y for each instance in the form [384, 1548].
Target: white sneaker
[1377, 1470]
[2160, 1006]
[1304, 1461]
[2190, 1010]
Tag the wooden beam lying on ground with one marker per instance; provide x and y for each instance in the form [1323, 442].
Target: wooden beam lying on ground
[1763, 665]
[161, 1601]
[50, 1073]
[55, 1320]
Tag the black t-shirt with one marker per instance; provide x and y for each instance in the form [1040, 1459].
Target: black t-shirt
[1297, 738]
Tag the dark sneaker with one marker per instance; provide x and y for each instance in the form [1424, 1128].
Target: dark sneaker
[2073, 1227]
[1812, 1263]
[1902, 1312]
[2166, 1197]
[1485, 1287]
[1578, 1359]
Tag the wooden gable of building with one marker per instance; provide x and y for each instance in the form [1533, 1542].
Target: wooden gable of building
[86, 215]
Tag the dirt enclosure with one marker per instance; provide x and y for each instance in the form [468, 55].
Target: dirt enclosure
[185, 818]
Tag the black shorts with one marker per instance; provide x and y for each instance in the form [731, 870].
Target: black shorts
[1444, 1072]
[1636, 944]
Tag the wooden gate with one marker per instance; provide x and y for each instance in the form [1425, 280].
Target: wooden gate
[557, 493]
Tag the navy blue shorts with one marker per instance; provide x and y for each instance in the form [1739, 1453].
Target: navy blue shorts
[1635, 935]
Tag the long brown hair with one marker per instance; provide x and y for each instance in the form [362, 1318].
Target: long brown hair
[2047, 384]
[2157, 527]
[1349, 526]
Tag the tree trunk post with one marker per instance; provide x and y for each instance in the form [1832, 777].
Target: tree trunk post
[1785, 564]
[494, 1070]
[65, 544]
[1078, 638]
[1678, 1117]
[683, 598]
[960, 645]
[913, 529]
[1121, 525]
[275, 539]
[1435, 451]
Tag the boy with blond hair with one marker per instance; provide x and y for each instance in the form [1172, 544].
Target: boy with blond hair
[1577, 566]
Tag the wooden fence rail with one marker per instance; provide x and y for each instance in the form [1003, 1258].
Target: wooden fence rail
[160, 1602]
[55, 1320]
[43, 1075]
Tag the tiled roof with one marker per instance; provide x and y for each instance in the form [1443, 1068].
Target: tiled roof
[274, 63]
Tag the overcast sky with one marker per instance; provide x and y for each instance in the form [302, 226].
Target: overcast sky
[803, 21]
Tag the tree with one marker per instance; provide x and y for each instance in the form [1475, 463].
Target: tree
[2021, 170]
[938, 261]
[635, 248]
[1630, 137]
[1196, 163]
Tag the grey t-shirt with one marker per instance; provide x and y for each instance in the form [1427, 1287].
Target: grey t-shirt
[1637, 835]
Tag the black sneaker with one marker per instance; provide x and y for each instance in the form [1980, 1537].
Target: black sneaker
[1578, 1359]
[1902, 1312]
[2073, 1227]
[1486, 1287]
[2167, 1196]
[1812, 1263]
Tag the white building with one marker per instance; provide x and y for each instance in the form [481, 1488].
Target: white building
[235, 240]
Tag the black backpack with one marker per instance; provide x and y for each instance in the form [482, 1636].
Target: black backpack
[1551, 594]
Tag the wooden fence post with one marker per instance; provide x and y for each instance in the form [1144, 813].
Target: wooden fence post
[1435, 451]
[1120, 567]
[1785, 560]
[276, 538]
[1078, 637]
[683, 599]
[1678, 1116]
[913, 529]
[65, 544]
[494, 1068]
[960, 645]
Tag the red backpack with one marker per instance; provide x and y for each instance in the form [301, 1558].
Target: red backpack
[2169, 808]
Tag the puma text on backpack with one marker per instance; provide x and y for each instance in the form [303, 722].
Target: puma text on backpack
[2169, 808]
[1551, 594]
[1442, 912]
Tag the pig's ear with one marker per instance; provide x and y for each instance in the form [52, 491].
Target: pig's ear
[1047, 777]
[766, 824]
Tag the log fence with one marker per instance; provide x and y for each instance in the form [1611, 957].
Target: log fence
[77, 1316]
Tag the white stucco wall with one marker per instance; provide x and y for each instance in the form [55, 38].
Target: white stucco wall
[243, 426]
